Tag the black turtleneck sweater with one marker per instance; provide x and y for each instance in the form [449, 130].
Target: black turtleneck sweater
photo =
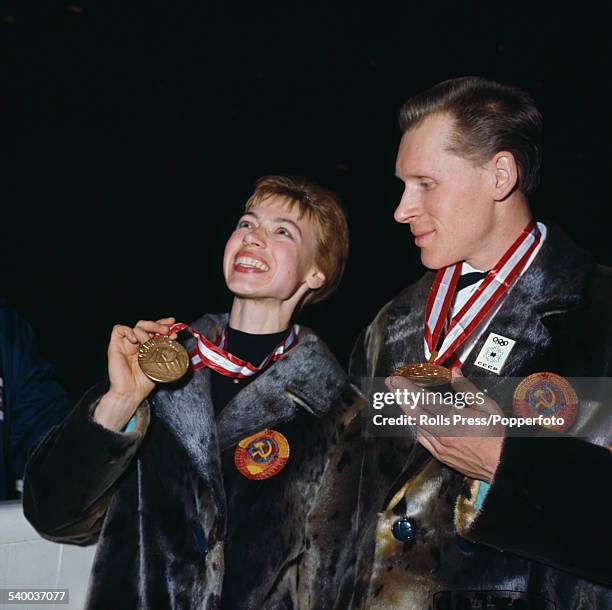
[249, 347]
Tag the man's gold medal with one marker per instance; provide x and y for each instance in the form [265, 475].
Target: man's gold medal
[163, 359]
[424, 374]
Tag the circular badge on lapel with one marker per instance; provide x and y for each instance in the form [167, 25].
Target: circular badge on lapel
[547, 395]
[261, 455]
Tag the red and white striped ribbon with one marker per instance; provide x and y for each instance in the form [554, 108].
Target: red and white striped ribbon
[490, 290]
[208, 354]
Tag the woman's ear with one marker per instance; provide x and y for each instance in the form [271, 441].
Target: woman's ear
[315, 279]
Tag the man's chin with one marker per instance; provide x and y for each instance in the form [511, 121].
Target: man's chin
[434, 262]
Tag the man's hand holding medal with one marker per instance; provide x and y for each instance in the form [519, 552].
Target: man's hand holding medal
[474, 451]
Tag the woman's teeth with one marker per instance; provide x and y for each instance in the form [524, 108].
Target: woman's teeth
[244, 261]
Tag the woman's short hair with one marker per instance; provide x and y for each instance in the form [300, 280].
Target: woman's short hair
[323, 209]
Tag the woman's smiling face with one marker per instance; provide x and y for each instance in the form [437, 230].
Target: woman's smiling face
[271, 253]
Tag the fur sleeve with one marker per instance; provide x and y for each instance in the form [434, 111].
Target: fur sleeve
[550, 501]
[326, 567]
[70, 477]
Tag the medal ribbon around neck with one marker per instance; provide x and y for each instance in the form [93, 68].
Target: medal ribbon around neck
[480, 303]
[208, 354]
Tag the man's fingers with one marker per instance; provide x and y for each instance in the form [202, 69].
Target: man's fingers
[417, 397]
[465, 386]
[401, 383]
[461, 383]
[408, 390]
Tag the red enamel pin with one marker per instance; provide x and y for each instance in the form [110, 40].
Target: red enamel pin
[548, 395]
[261, 455]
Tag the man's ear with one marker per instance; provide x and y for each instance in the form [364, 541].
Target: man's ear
[505, 170]
[315, 279]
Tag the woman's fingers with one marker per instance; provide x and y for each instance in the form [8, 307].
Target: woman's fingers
[169, 321]
[124, 332]
[143, 335]
[153, 327]
[144, 330]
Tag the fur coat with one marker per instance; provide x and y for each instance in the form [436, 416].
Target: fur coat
[176, 526]
[542, 537]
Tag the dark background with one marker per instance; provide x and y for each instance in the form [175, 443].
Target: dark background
[133, 132]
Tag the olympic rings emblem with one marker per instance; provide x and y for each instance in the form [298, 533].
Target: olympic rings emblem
[500, 342]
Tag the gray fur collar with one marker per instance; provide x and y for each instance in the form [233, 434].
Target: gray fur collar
[307, 377]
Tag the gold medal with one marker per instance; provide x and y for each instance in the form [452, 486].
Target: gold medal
[163, 359]
[424, 374]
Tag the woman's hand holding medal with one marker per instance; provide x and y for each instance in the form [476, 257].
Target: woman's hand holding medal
[129, 386]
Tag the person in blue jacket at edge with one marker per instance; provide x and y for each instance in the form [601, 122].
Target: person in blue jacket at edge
[31, 399]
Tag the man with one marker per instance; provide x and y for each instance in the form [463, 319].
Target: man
[432, 533]
[31, 400]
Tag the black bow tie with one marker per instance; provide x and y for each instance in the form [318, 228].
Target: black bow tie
[467, 279]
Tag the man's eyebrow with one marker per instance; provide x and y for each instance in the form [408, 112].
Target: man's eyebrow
[288, 221]
[417, 174]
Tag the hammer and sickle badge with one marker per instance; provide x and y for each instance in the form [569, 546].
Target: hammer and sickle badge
[261, 455]
[546, 394]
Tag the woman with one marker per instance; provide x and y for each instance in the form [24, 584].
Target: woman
[196, 504]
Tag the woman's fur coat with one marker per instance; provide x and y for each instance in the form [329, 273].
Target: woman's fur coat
[176, 526]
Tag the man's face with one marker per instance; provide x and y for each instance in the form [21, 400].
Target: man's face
[271, 253]
[447, 200]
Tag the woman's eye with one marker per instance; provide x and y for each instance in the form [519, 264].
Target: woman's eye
[283, 231]
[244, 224]
[426, 184]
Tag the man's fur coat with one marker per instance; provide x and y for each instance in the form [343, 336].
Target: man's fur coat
[542, 537]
